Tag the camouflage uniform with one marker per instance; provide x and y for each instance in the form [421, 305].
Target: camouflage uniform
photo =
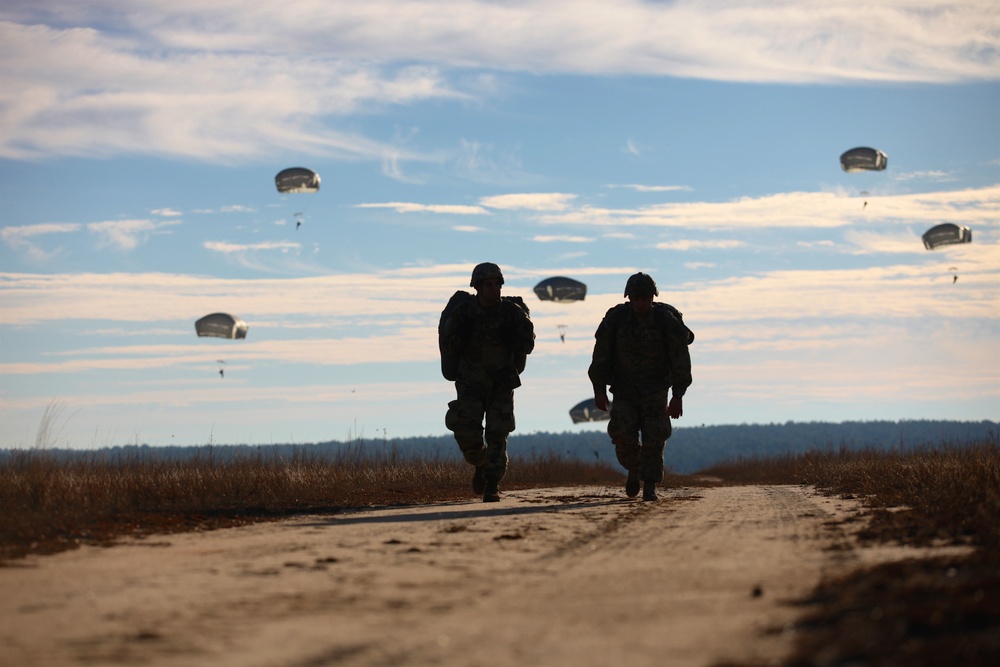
[641, 358]
[492, 344]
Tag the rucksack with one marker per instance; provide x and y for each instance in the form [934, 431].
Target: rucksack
[450, 358]
[668, 319]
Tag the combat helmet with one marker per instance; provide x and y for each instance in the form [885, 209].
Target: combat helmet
[641, 285]
[485, 271]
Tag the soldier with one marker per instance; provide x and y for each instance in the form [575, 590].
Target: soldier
[484, 341]
[641, 351]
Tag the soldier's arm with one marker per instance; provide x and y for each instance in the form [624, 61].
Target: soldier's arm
[680, 368]
[676, 328]
[602, 362]
[526, 333]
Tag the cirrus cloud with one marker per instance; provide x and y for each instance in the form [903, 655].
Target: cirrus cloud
[692, 244]
[127, 234]
[410, 207]
[20, 238]
[231, 80]
[535, 201]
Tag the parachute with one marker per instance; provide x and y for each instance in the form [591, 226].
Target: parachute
[863, 158]
[586, 411]
[946, 234]
[297, 179]
[221, 325]
[559, 288]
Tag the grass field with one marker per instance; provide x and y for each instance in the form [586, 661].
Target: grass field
[52, 503]
[920, 612]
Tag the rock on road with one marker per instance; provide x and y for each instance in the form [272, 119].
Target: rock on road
[563, 576]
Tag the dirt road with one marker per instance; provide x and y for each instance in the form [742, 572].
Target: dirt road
[568, 576]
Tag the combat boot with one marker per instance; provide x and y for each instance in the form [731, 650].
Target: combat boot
[479, 480]
[632, 484]
[492, 492]
[649, 490]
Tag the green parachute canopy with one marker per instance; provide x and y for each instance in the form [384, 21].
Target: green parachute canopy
[586, 411]
[946, 234]
[221, 325]
[559, 288]
[863, 158]
[297, 179]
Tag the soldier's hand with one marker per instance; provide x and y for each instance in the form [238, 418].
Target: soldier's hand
[601, 400]
[676, 407]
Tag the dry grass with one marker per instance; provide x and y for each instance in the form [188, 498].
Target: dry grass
[52, 503]
[918, 612]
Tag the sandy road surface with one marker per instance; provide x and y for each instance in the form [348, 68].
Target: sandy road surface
[567, 576]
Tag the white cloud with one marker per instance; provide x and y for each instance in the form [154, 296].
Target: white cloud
[868, 242]
[536, 201]
[225, 247]
[936, 176]
[801, 297]
[409, 207]
[562, 239]
[468, 228]
[157, 297]
[127, 234]
[789, 40]
[653, 188]
[83, 92]
[166, 212]
[232, 208]
[570, 256]
[27, 231]
[19, 238]
[222, 81]
[381, 300]
[798, 209]
[484, 163]
[275, 257]
[788, 335]
[692, 244]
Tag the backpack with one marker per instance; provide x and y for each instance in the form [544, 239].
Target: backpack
[449, 357]
[667, 318]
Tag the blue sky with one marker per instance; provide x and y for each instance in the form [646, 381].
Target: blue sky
[696, 141]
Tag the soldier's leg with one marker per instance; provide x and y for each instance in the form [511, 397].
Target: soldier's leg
[465, 419]
[624, 431]
[655, 431]
[499, 424]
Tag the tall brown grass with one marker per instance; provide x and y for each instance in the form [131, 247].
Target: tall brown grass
[52, 501]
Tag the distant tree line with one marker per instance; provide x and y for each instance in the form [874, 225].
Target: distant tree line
[689, 450]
